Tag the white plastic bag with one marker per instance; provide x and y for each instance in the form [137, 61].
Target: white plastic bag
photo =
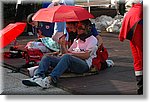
[37, 45]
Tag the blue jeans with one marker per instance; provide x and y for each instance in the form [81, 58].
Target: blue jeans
[61, 64]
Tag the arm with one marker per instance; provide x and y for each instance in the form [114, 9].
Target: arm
[83, 56]
[63, 46]
[64, 49]
[95, 33]
[40, 34]
[100, 40]
[52, 54]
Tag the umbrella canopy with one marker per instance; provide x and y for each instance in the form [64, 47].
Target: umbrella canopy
[62, 13]
[10, 32]
[131, 20]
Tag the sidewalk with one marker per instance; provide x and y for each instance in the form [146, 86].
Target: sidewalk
[13, 86]
[117, 80]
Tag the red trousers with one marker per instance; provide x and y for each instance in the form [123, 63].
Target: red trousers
[136, 45]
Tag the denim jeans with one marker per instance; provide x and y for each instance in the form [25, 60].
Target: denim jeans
[61, 64]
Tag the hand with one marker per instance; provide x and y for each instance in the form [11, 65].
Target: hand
[52, 54]
[40, 34]
[67, 54]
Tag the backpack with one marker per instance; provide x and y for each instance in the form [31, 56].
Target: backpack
[99, 62]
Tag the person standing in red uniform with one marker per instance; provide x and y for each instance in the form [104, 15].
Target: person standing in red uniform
[132, 29]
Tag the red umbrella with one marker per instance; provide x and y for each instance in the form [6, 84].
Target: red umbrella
[62, 13]
[10, 32]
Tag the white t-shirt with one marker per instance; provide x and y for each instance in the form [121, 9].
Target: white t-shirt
[80, 46]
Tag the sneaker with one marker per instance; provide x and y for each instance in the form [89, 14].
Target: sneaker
[110, 63]
[31, 81]
[44, 83]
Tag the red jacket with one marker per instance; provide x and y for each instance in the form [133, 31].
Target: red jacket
[131, 19]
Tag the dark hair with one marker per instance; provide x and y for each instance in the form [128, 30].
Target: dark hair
[56, 3]
[73, 22]
[29, 18]
[86, 22]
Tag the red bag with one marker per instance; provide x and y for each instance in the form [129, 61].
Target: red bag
[102, 56]
[33, 55]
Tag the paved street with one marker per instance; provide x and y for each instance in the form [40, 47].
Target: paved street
[13, 86]
[117, 80]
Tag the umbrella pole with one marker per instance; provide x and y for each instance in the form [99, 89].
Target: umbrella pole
[89, 9]
[18, 4]
[15, 42]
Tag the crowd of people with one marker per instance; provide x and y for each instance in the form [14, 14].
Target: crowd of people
[77, 44]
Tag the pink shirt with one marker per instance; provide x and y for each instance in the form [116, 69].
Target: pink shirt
[80, 46]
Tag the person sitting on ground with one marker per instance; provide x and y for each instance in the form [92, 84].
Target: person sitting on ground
[98, 63]
[93, 31]
[72, 30]
[41, 29]
[77, 59]
[44, 32]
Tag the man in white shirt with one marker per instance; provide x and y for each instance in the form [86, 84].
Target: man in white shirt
[77, 59]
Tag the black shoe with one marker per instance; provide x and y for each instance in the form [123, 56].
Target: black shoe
[54, 82]
[30, 81]
[140, 90]
[139, 84]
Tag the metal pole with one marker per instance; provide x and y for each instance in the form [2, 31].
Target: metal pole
[88, 1]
